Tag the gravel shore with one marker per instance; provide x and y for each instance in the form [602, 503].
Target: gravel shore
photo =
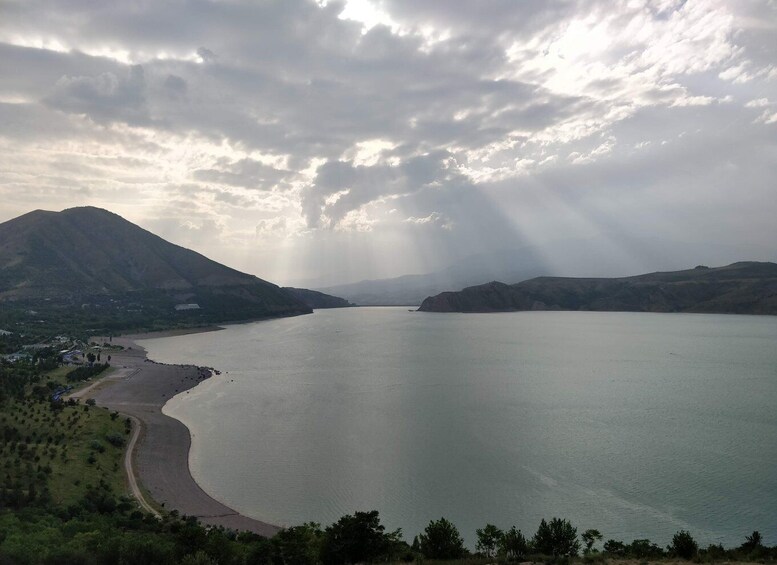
[161, 458]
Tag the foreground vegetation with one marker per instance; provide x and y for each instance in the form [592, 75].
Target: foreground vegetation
[63, 501]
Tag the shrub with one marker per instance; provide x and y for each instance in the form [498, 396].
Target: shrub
[644, 549]
[116, 440]
[683, 545]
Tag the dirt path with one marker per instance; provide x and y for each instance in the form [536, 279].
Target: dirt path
[128, 468]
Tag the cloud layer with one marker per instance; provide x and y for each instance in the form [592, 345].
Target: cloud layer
[311, 139]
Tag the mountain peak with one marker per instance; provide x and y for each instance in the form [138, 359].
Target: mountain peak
[89, 251]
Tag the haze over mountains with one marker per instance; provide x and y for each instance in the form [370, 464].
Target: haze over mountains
[91, 260]
[592, 257]
[741, 288]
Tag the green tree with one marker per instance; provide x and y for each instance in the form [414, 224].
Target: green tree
[615, 547]
[199, 558]
[644, 549]
[590, 537]
[360, 538]
[300, 545]
[753, 541]
[557, 538]
[683, 545]
[441, 540]
[514, 545]
[489, 540]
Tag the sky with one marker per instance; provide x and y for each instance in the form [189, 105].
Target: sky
[319, 142]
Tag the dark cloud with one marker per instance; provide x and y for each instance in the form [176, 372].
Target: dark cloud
[105, 97]
[176, 85]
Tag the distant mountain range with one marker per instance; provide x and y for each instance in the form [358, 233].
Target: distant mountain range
[740, 288]
[603, 256]
[93, 266]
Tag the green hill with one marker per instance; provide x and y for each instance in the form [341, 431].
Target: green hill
[740, 288]
[95, 268]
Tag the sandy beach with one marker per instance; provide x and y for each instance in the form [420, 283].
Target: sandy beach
[139, 388]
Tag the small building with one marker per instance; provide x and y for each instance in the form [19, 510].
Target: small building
[180, 307]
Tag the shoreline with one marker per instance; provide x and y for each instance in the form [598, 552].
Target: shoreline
[160, 458]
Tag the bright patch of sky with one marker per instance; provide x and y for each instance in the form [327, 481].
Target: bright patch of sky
[328, 141]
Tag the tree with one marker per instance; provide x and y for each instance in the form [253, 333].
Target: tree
[489, 540]
[441, 540]
[558, 538]
[615, 547]
[590, 537]
[644, 549]
[360, 538]
[299, 545]
[753, 541]
[514, 545]
[683, 545]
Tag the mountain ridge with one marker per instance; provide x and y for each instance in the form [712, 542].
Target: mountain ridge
[605, 255]
[745, 287]
[92, 265]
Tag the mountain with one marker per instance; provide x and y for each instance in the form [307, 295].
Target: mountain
[606, 255]
[317, 300]
[740, 288]
[89, 263]
[511, 265]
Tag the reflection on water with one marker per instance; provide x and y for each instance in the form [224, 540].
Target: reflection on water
[635, 424]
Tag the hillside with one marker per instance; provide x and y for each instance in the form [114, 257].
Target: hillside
[316, 299]
[740, 288]
[93, 265]
[607, 255]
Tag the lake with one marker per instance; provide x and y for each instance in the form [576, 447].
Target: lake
[635, 424]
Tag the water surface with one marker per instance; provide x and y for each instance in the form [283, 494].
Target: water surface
[635, 424]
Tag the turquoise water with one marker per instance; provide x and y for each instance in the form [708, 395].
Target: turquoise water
[635, 424]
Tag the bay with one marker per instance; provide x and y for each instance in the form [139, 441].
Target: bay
[635, 424]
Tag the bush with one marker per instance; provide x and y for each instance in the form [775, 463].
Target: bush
[683, 545]
[116, 440]
[644, 549]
